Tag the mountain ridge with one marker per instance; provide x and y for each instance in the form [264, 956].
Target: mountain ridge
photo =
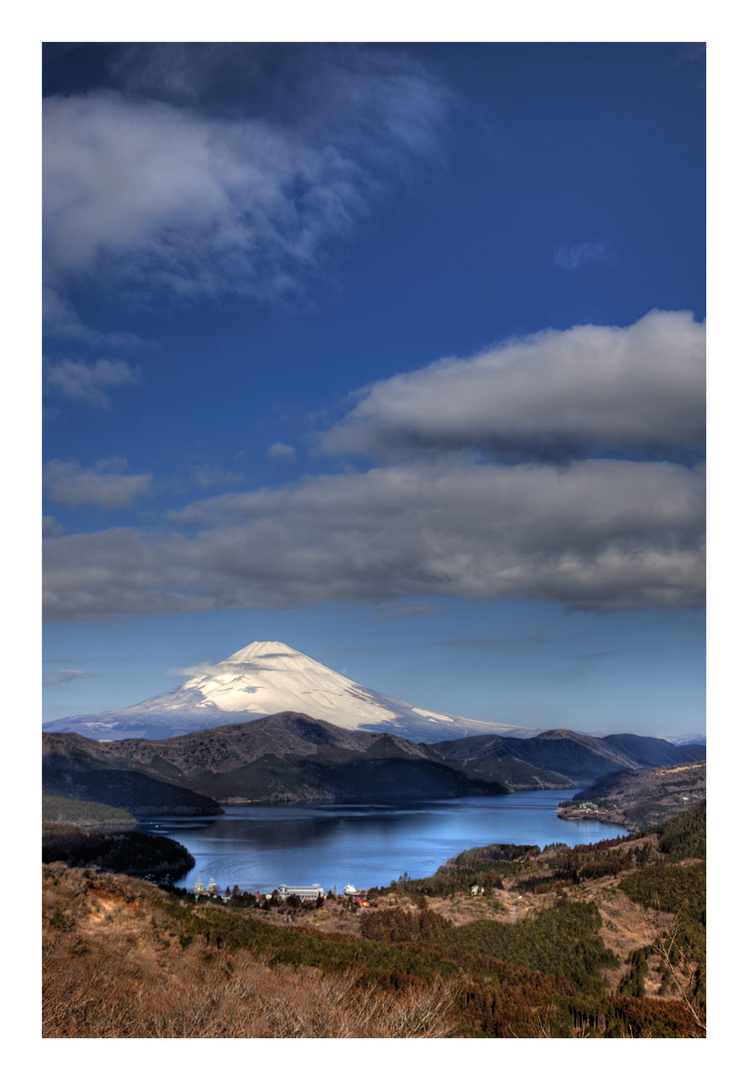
[578, 758]
[294, 757]
[287, 757]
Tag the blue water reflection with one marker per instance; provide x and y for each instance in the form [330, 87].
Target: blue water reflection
[261, 847]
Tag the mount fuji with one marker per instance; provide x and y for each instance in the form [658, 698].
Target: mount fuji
[269, 677]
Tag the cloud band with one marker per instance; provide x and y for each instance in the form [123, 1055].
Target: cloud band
[605, 535]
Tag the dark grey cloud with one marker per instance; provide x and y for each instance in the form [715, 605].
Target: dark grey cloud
[603, 535]
[50, 526]
[555, 395]
[167, 185]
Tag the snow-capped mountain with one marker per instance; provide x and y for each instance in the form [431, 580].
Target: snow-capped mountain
[269, 677]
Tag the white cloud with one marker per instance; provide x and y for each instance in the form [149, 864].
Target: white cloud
[206, 476]
[78, 380]
[606, 535]
[106, 485]
[552, 395]
[146, 189]
[282, 450]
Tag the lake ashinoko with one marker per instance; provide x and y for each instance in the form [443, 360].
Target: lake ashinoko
[262, 847]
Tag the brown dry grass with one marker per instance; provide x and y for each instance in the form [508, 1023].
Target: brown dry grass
[113, 967]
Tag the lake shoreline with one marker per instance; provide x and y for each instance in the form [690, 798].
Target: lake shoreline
[260, 846]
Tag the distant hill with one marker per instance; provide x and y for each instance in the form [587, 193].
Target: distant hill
[71, 769]
[293, 757]
[288, 757]
[650, 753]
[640, 799]
[571, 757]
[56, 810]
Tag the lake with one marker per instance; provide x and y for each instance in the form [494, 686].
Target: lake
[262, 847]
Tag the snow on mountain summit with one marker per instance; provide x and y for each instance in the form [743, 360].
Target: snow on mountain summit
[269, 677]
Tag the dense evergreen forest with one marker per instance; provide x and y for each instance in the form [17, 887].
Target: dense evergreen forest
[120, 851]
[56, 810]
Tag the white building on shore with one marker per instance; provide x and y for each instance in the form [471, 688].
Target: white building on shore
[304, 892]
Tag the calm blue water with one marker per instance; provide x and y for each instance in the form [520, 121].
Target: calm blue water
[261, 847]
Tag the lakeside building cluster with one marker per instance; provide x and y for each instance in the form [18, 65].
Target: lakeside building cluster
[304, 892]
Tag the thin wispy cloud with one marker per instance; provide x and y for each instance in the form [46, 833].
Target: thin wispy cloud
[60, 320]
[57, 679]
[588, 656]
[106, 485]
[89, 383]
[282, 451]
[387, 610]
[207, 476]
[467, 643]
[576, 256]
[168, 185]
[491, 642]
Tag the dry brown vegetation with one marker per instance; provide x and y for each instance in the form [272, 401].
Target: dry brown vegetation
[607, 940]
[115, 968]
[625, 928]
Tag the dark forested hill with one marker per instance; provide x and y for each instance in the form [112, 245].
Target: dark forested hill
[575, 759]
[287, 757]
[651, 753]
[292, 757]
[72, 769]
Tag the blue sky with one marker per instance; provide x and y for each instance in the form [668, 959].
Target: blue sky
[391, 352]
